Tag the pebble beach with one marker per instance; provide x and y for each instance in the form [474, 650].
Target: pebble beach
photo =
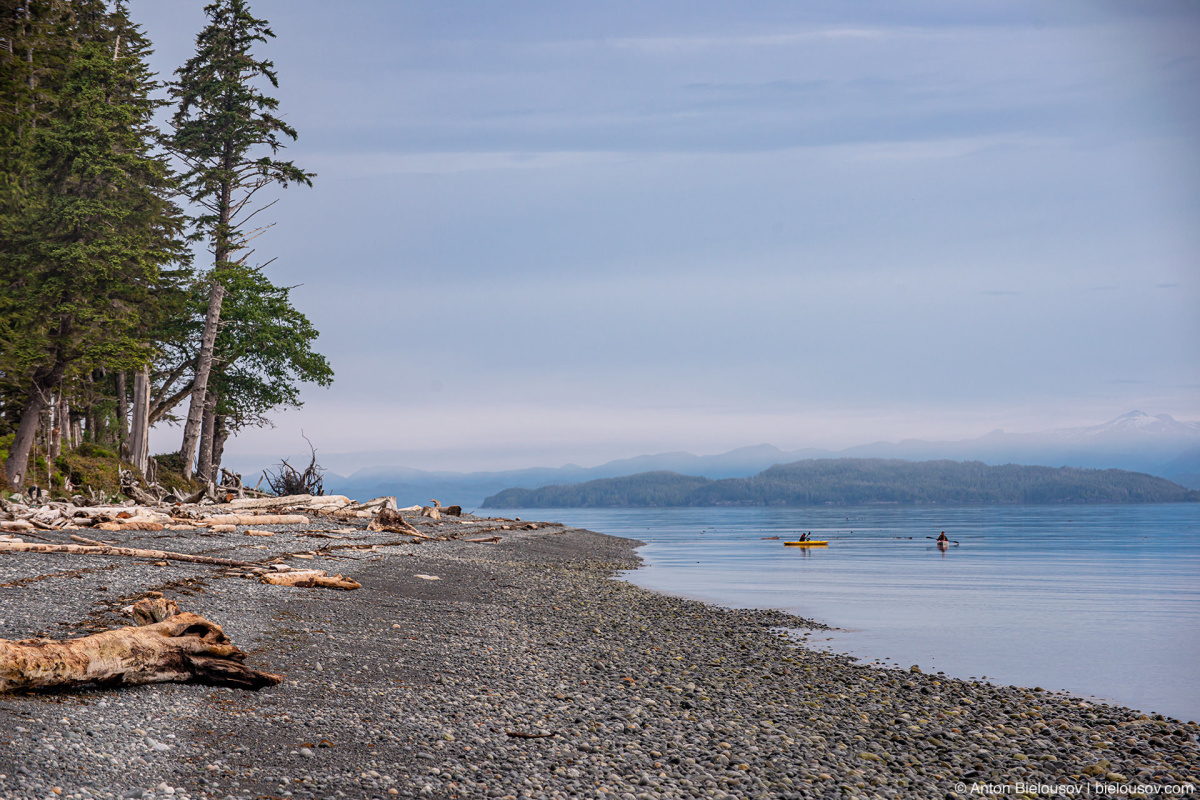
[523, 668]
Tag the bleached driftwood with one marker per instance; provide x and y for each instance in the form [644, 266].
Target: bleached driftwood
[374, 504]
[311, 501]
[130, 525]
[165, 647]
[92, 542]
[90, 550]
[259, 519]
[310, 579]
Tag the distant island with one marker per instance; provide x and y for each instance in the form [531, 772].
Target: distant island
[859, 481]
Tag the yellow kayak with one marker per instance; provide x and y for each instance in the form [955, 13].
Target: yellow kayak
[811, 543]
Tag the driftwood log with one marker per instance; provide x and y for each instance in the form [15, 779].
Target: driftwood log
[165, 647]
[258, 519]
[91, 550]
[454, 511]
[390, 520]
[310, 579]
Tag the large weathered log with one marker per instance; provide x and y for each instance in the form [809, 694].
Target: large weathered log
[183, 648]
[86, 550]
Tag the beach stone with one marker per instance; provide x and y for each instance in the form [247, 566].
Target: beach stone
[535, 636]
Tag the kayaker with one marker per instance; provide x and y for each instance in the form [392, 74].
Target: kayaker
[942, 539]
[804, 537]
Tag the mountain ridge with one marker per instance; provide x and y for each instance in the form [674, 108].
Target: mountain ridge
[1158, 445]
[854, 481]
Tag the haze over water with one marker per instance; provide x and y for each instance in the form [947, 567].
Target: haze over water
[1095, 600]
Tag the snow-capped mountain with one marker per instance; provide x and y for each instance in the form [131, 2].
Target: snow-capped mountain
[1136, 426]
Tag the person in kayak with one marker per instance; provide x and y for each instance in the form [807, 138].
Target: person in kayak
[804, 537]
[942, 539]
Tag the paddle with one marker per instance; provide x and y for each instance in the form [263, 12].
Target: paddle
[948, 540]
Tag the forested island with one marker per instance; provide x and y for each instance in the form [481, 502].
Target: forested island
[858, 481]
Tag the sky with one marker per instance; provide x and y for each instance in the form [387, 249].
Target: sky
[546, 233]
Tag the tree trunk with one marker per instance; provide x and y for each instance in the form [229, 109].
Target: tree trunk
[139, 436]
[122, 417]
[17, 465]
[191, 429]
[58, 426]
[76, 420]
[204, 461]
[218, 450]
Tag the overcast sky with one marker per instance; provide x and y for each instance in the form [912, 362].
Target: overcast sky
[548, 232]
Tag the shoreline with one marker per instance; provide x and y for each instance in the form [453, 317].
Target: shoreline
[527, 669]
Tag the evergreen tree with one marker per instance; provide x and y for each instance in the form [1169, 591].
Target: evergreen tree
[228, 135]
[85, 253]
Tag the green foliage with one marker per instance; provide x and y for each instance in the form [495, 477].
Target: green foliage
[220, 118]
[263, 349]
[227, 133]
[170, 473]
[89, 469]
[93, 450]
[90, 237]
[172, 462]
[85, 261]
[852, 481]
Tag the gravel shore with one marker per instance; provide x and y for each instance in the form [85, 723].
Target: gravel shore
[516, 669]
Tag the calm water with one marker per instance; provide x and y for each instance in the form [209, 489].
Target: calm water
[1095, 600]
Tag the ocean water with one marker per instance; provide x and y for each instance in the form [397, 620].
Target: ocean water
[1101, 601]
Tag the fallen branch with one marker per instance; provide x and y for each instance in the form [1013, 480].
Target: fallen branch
[90, 550]
[92, 542]
[181, 648]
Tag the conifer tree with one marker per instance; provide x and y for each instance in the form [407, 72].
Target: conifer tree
[86, 253]
[228, 135]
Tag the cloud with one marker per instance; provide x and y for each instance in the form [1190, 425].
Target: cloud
[677, 45]
[357, 165]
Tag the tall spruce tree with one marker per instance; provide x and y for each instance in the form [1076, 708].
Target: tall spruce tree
[87, 249]
[228, 135]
